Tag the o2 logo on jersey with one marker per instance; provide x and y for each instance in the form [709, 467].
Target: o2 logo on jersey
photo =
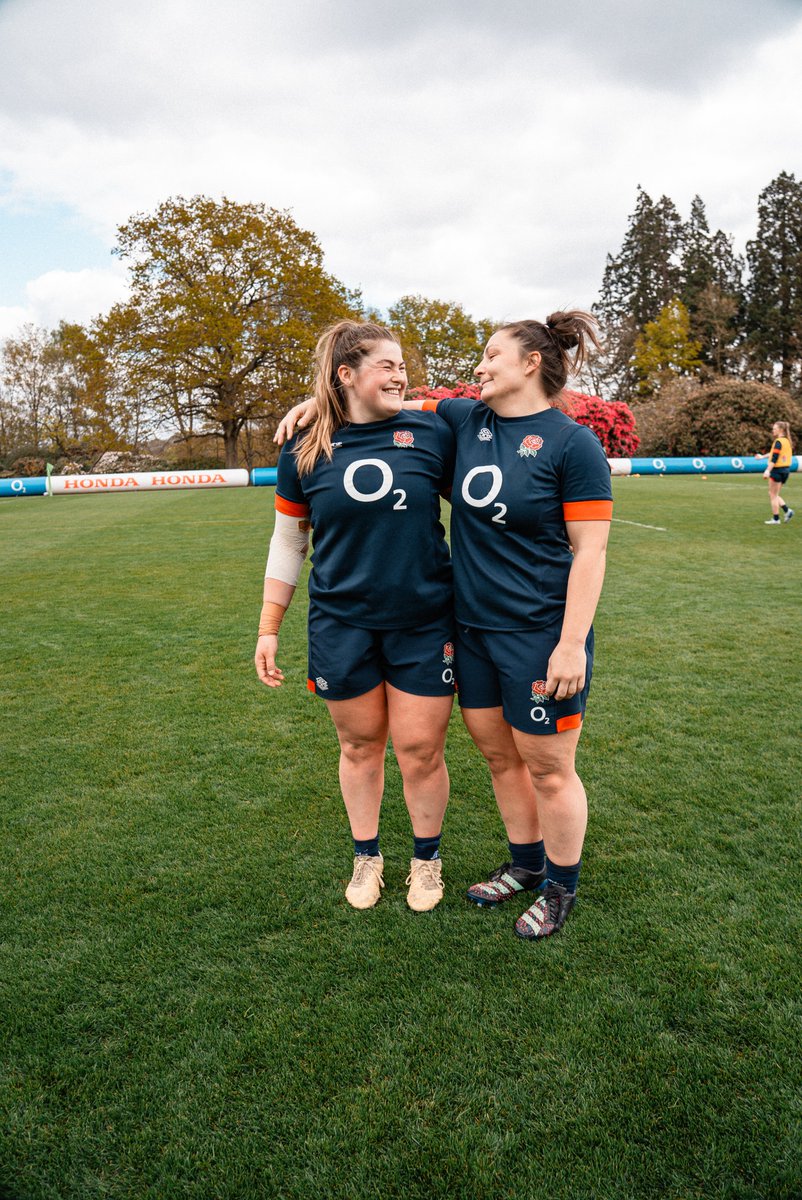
[350, 484]
[403, 437]
[530, 446]
[496, 480]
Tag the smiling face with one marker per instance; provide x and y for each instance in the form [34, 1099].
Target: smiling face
[375, 389]
[506, 375]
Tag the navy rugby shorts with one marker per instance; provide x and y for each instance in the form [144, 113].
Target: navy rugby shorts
[508, 669]
[780, 474]
[346, 661]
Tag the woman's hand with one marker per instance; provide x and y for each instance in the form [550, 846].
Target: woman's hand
[265, 659]
[566, 671]
[299, 417]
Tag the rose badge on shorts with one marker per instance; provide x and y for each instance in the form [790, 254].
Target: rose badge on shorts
[539, 693]
[448, 653]
[530, 446]
[403, 437]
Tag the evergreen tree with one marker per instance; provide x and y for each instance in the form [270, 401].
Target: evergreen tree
[711, 289]
[774, 291]
[640, 281]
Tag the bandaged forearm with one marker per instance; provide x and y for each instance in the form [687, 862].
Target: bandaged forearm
[271, 617]
[288, 547]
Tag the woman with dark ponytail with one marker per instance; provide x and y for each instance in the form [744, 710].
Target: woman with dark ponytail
[531, 511]
[531, 505]
[367, 479]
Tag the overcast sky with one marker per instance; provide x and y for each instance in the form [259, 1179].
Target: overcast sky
[481, 151]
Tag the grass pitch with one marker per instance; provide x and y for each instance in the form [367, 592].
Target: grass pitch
[190, 1010]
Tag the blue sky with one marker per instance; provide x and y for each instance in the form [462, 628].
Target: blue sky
[35, 238]
[482, 152]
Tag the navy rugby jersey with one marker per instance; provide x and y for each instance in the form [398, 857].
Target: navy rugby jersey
[517, 480]
[380, 557]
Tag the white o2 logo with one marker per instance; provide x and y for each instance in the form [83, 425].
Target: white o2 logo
[447, 676]
[497, 480]
[538, 714]
[349, 483]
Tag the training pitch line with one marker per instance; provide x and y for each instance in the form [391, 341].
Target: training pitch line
[640, 525]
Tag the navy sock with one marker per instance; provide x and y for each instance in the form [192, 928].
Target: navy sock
[567, 877]
[368, 846]
[529, 855]
[426, 847]
[783, 506]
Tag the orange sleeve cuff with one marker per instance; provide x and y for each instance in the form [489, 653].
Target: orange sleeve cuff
[430, 405]
[588, 510]
[290, 509]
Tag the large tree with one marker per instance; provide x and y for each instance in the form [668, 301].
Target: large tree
[774, 291]
[227, 301]
[442, 342]
[638, 282]
[711, 289]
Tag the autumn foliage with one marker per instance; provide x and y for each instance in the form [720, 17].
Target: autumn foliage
[611, 420]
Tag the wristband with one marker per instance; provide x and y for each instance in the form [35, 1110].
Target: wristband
[271, 618]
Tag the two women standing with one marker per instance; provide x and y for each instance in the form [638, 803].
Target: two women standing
[531, 513]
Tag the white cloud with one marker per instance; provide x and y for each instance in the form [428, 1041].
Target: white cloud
[64, 295]
[485, 154]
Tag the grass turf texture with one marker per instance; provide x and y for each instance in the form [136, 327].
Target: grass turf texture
[192, 1010]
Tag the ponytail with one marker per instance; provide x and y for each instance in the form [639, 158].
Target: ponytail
[786, 431]
[555, 339]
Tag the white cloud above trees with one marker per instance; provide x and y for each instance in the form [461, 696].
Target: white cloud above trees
[485, 154]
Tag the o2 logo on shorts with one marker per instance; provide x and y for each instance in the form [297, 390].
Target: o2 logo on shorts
[403, 437]
[448, 658]
[530, 446]
[540, 696]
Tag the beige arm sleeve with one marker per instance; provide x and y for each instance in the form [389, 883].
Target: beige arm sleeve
[288, 549]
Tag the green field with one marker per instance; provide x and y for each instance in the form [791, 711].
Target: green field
[189, 1007]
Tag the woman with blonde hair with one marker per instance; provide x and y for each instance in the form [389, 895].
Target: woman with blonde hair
[367, 479]
[779, 468]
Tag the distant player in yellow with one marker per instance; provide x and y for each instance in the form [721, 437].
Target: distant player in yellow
[779, 467]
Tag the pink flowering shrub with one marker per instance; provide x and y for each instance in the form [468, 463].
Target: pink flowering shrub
[611, 420]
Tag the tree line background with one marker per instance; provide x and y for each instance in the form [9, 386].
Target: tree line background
[703, 348]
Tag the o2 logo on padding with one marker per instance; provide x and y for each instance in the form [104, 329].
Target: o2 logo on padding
[350, 483]
[496, 480]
